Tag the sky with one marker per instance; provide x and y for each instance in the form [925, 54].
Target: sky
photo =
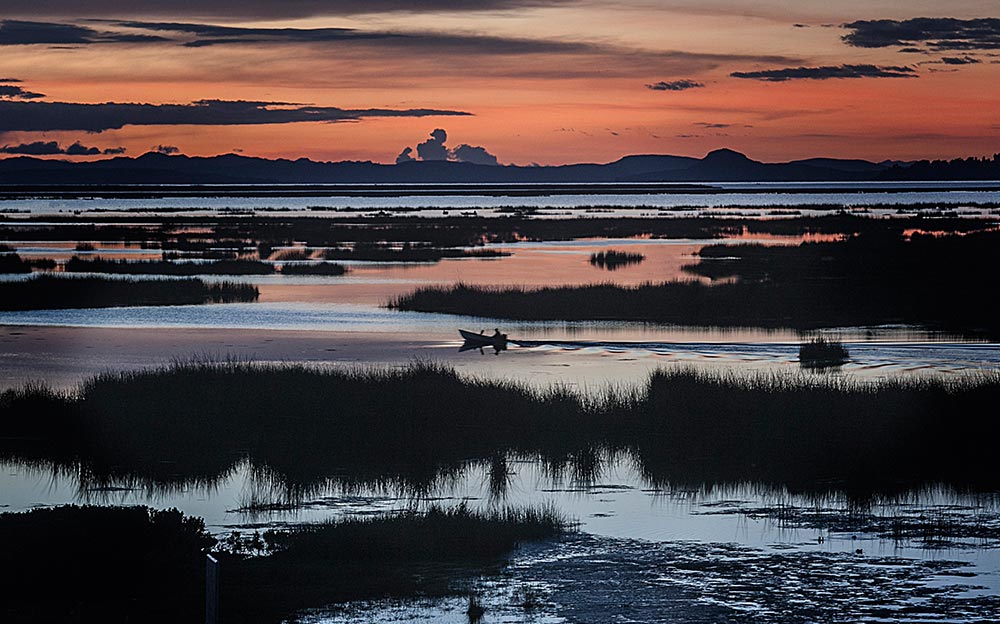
[500, 81]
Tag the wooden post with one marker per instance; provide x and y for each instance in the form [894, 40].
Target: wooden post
[211, 590]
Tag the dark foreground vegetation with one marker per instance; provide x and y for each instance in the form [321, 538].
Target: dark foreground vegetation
[303, 428]
[614, 259]
[161, 267]
[938, 281]
[49, 292]
[134, 564]
[13, 263]
[102, 564]
[425, 554]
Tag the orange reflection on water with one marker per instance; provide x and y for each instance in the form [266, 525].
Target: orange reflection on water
[530, 265]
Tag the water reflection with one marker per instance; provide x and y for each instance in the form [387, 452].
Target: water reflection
[593, 483]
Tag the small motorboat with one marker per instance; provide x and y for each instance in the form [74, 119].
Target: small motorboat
[496, 341]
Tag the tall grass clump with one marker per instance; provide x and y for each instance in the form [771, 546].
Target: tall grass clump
[793, 429]
[408, 428]
[614, 259]
[47, 292]
[416, 553]
[407, 252]
[439, 534]
[314, 268]
[13, 263]
[161, 267]
[878, 278]
[822, 353]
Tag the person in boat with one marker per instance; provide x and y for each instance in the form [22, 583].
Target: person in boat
[499, 341]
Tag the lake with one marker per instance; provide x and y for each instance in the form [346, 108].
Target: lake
[740, 552]
[761, 198]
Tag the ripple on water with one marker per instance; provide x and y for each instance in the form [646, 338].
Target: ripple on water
[589, 579]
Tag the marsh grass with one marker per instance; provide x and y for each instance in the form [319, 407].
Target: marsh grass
[13, 263]
[822, 353]
[316, 268]
[161, 267]
[878, 278]
[138, 564]
[614, 259]
[407, 252]
[409, 428]
[50, 292]
[427, 553]
[439, 534]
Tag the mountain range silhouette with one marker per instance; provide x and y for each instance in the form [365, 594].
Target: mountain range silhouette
[723, 165]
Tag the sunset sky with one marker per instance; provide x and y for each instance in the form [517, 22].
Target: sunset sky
[528, 81]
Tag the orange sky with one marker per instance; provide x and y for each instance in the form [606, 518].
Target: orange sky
[545, 82]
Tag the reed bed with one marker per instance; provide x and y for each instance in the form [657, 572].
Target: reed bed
[878, 278]
[154, 561]
[50, 292]
[162, 267]
[412, 426]
[408, 554]
[613, 259]
[407, 252]
[314, 268]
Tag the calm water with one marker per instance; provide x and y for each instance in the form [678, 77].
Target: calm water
[704, 539]
[644, 554]
[717, 198]
[337, 310]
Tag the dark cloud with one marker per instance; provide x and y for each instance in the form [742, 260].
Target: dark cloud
[79, 149]
[960, 60]
[13, 32]
[50, 148]
[14, 92]
[272, 9]
[589, 57]
[705, 124]
[38, 148]
[114, 150]
[168, 150]
[675, 85]
[474, 154]
[934, 33]
[405, 156]
[827, 72]
[202, 35]
[433, 148]
[50, 116]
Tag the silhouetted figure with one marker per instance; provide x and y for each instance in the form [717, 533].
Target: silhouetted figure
[499, 341]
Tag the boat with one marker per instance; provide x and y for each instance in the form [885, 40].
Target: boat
[496, 341]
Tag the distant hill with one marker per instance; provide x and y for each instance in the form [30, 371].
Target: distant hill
[722, 165]
[957, 169]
